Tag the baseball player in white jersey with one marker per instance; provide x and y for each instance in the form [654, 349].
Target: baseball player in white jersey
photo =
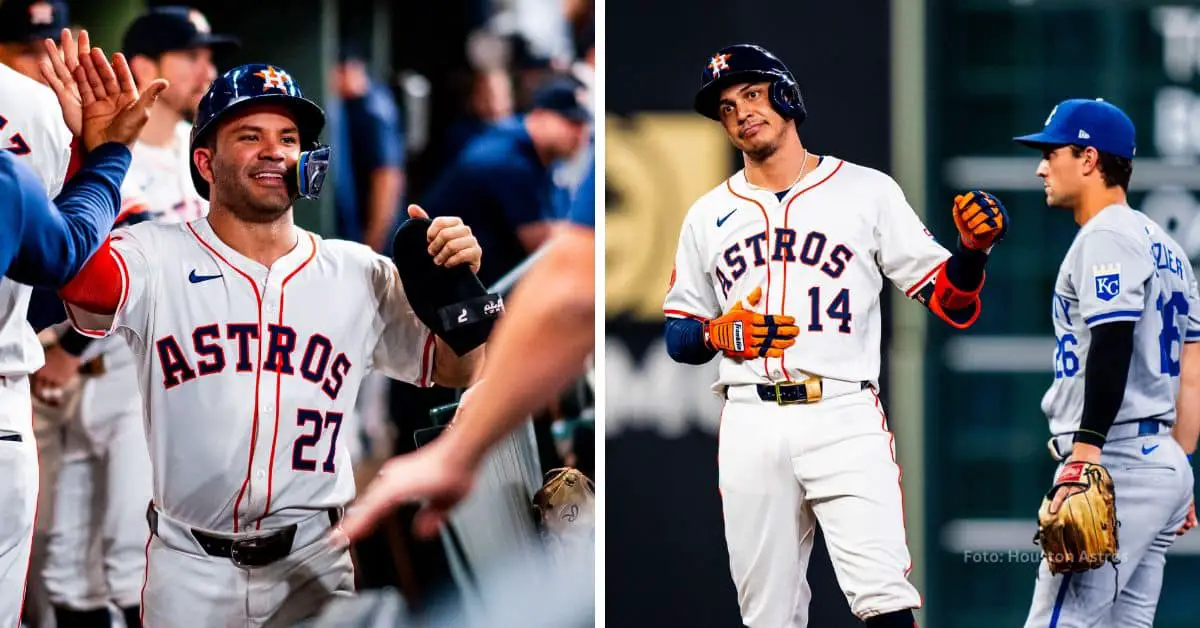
[96, 545]
[251, 337]
[33, 129]
[1124, 305]
[779, 269]
[38, 129]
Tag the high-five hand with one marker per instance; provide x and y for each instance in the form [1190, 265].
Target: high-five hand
[57, 69]
[112, 109]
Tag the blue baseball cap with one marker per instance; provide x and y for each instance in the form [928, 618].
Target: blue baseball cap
[32, 20]
[1084, 122]
[562, 95]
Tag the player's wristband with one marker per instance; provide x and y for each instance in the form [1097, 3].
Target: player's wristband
[74, 342]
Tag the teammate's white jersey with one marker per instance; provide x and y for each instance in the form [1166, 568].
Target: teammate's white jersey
[820, 255]
[246, 371]
[161, 176]
[31, 126]
[1122, 267]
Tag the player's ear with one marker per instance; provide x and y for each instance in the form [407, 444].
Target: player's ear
[202, 157]
[143, 69]
[1091, 159]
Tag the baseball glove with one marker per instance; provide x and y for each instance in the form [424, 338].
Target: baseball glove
[565, 505]
[1082, 534]
[981, 219]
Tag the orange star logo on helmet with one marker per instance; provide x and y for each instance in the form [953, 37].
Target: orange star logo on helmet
[41, 13]
[718, 63]
[273, 78]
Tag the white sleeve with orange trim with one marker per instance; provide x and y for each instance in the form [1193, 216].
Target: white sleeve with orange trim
[405, 348]
[909, 256]
[130, 250]
[690, 294]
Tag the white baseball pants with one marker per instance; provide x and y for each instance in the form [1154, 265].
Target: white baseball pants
[785, 468]
[18, 494]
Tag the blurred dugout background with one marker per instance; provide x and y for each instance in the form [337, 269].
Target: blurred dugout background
[930, 91]
[407, 88]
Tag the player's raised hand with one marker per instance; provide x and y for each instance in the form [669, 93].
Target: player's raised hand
[981, 219]
[112, 108]
[57, 69]
[451, 242]
[743, 333]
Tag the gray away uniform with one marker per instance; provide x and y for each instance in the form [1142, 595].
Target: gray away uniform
[1123, 267]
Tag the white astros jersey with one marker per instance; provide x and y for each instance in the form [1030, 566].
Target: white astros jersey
[820, 255]
[31, 126]
[246, 371]
[162, 177]
[1122, 267]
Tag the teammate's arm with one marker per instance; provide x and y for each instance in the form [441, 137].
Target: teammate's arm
[47, 242]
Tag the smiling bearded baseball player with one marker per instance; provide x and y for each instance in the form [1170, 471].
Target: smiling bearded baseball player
[779, 271]
[252, 337]
[1125, 303]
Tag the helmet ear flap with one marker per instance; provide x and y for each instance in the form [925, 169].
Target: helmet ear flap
[785, 95]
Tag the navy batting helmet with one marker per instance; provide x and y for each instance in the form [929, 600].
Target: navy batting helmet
[262, 83]
[746, 63]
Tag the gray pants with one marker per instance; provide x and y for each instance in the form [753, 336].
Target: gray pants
[1153, 484]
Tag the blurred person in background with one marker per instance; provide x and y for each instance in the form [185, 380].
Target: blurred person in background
[530, 69]
[95, 551]
[502, 185]
[488, 102]
[370, 158]
[23, 26]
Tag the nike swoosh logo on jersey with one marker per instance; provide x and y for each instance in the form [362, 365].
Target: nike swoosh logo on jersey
[1146, 450]
[721, 221]
[194, 278]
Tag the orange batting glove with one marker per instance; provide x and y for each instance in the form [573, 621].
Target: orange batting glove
[981, 219]
[741, 333]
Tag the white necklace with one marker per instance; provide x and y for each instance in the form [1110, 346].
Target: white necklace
[803, 169]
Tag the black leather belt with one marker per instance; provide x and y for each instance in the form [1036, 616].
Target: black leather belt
[807, 391]
[258, 551]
